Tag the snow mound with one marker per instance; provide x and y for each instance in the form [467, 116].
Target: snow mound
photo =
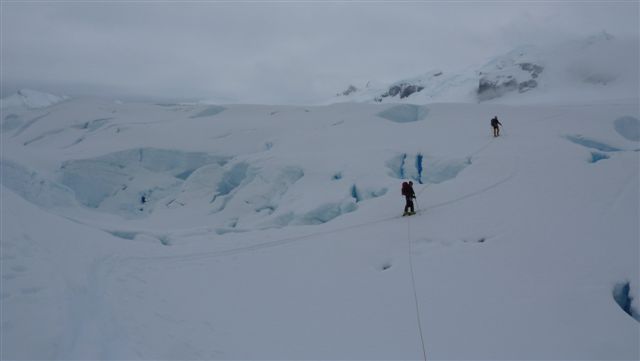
[264, 196]
[441, 170]
[209, 111]
[327, 212]
[628, 127]
[319, 214]
[198, 185]
[31, 99]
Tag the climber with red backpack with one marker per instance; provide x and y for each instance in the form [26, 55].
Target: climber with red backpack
[409, 196]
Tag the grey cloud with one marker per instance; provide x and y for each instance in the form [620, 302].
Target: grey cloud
[271, 52]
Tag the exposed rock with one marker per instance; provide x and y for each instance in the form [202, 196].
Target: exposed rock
[410, 90]
[402, 89]
[351, 89]
[490, 89]
[527, 85]
[599, 79]
[533, 69]
[509, 75]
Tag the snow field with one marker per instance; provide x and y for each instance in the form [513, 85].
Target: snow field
[273, 232]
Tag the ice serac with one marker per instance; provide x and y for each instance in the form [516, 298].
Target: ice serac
[413, 167]
[130, 182]
[34, 187]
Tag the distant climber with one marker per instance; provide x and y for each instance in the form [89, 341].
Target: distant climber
[495, 123]
[409, 195]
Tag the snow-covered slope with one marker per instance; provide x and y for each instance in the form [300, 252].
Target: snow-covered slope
[30, 99]
[598, 67]
[186, 231]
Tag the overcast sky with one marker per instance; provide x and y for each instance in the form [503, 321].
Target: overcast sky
[272, 52]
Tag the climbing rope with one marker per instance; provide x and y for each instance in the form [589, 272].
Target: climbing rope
[413, 276]
[415, 294]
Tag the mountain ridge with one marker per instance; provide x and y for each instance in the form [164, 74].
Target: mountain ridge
[600, 62]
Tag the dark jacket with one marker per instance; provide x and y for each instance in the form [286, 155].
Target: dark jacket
[407, 190]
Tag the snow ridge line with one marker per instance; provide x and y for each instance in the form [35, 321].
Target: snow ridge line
[415, 293]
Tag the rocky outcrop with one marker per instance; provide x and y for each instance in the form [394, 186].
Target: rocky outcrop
[402, 90]
[518, 76]
[350, 90]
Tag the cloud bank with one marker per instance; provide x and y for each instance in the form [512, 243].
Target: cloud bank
[272, 52]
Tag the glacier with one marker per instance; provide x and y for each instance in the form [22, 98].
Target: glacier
[206, 230]
[274, 232]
